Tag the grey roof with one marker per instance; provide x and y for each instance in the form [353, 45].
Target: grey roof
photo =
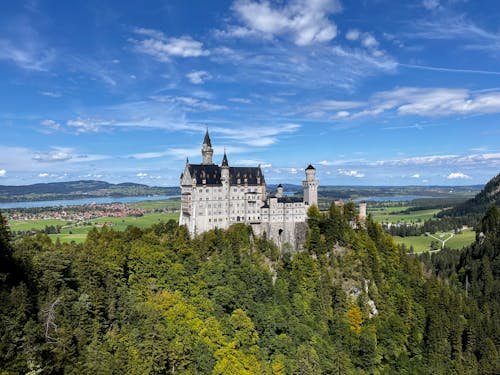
[212, 174]
[289, 200]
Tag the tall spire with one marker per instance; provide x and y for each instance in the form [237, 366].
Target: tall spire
[206, 150]
[206, 140]
[224, 160]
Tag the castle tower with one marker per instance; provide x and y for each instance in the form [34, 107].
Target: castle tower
[310, 186]
[206, 150]
[279, 191]
[362, 211]
[224, 170]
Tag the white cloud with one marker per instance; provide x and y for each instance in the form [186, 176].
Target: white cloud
[306, 21]
[353, 34]
[83, 125]
[163, 48]
[24, 47]
[457, 175]
[240, 100]
[59, 154]
[50, 125]
[431, 102]
[188, 103]
[141, 175]
[369, 41]
[51, 94]
[430, 4]
[3, 172]
[351, 173]
[198, 77]
[416, 175]
[43, 175]
[288, 65]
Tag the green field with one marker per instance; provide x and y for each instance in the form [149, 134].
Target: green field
[423, 243]
[78, 232]
[24, 225]
[391, 215]
[154, 205]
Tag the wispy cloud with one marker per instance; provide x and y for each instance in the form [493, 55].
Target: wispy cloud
[163, 48]
[288, 65]
[57, 155]
[189, 104]
[240, 100]
[27, 51]
[51, 94]
[430, 102]
[456, 27]
[198, 77]
[3, 172]
[50, 126]
[351, 173]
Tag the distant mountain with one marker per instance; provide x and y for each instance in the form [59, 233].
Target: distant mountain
[79, 189]
[476, 207]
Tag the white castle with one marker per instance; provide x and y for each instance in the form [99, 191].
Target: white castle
[214, 196]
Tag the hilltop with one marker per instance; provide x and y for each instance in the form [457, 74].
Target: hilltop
[474, 208]
[79, 189]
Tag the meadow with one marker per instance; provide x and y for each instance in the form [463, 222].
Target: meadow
[77, 231]
[423, 243]
[393, 214]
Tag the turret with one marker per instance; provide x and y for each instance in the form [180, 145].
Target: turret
[310, 186]
[224, 169]
[206, 150]
[279, 191]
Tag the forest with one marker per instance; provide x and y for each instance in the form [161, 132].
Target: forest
[155, 301]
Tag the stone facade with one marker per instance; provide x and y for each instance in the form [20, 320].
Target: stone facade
[214, 196]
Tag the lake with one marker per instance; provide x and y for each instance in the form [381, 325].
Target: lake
[392, 198]
[79, 202]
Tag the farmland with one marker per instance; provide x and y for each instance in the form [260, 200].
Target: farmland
[76, 230]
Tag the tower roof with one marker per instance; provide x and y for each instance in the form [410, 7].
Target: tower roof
[206, 140]
[310, 167]
[224, 160]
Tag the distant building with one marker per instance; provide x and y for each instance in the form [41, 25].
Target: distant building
[214, 196]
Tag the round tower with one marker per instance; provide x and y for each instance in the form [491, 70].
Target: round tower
[207, 151]
[279, 191]
[310, 186]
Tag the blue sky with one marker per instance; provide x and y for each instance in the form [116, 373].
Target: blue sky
[371, 92]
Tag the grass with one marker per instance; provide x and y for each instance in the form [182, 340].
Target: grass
[423, 243]
[153, 205]
[78, 232]
[384, 215]
[38, 224]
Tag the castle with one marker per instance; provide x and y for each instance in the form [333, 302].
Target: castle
[214, 196]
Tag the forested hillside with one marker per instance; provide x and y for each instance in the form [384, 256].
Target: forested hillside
[473, 209]
[157, 302]
[79, 189]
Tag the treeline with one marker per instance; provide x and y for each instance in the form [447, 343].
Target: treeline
[428, 226]
[155, 301]
[476, 270]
